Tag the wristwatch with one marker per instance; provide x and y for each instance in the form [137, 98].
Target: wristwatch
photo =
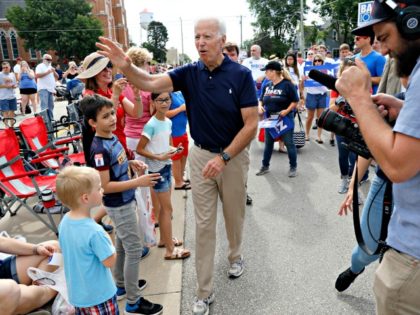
[225, 157]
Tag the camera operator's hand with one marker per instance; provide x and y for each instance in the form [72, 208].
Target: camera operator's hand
[355, 84]
[346, 205]
[388, 105]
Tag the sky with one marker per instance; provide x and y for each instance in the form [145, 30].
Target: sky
[171, 12]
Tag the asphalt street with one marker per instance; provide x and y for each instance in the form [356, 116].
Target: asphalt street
[295, 245]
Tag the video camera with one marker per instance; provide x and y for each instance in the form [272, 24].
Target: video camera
[339, 124]
[345, 127]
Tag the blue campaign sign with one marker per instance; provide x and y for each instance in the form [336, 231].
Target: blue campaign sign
[277, 126]
[364, 13]
[328, 68]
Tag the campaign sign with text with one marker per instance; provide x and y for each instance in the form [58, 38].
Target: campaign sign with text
[328, 68]
[364, 13]
[277, 125]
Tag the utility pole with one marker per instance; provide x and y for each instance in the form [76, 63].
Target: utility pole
[240, 23]
[302, 31]
[182, 42]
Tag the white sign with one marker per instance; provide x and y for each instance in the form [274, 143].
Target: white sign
[364, 13]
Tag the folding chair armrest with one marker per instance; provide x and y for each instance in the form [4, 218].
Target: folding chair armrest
[9, 178]
[46, 157]
[68, 140]
[12, 161]
[53, 151]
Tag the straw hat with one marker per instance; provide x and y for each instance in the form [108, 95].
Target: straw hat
[92, 65]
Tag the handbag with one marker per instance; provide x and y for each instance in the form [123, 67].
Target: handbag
[299, 136]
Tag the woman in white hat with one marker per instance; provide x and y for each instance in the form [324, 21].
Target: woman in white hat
[97, 75]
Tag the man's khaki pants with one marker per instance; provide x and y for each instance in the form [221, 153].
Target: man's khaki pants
[397, 284]
[230, 186]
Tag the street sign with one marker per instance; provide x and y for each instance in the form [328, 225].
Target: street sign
[364, 13]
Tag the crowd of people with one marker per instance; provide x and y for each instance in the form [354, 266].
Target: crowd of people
[135, 138]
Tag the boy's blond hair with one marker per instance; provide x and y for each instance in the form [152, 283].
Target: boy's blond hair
[74, 181]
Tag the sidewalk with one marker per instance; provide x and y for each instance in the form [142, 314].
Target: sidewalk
[164, 278]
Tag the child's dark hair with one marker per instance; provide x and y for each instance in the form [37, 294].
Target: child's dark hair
[90, 106]
[156, 95]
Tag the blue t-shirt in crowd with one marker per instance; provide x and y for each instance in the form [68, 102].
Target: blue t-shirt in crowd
[404, 226]
[214, 100]
[375, 62]
[179, 121]
[26, 82]
[278, 97]
[85, 245]
[109, 154]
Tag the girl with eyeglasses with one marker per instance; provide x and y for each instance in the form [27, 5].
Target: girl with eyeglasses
[156, 146]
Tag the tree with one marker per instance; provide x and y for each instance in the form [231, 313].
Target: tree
[66, 26]
[184, 58]
[157, 37]
[342, 15]
[276, 23]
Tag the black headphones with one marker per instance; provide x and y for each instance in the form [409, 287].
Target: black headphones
[407, 19]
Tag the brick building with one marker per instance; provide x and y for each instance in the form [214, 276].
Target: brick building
[111, 13]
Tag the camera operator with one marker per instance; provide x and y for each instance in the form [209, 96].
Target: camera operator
[396, 26]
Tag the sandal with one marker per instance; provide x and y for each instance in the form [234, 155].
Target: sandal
[178, 253]
[176, 242]
[186, 186]
[319, 141]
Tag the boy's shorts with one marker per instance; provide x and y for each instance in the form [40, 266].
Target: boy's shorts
[8, 268]
[109, 307]
[165, 183]
[8, 105]
[180, 140]
[314, 101]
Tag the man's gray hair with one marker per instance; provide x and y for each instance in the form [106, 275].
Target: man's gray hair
[220, 24]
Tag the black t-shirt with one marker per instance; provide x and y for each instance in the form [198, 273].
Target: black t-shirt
[278, 97]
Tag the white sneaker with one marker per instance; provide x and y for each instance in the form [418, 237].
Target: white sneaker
[236, 268]
[344, 186]
[201, 307]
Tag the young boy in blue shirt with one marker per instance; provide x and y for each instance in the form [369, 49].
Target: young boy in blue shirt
[108, 156]
[87, 249]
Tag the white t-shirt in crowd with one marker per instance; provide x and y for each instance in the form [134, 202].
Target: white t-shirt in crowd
[47, 82]
[255, 65]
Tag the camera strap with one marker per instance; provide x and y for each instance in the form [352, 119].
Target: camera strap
[386, 215]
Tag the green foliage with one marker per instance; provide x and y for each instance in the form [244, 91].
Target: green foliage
[157, 37]
[276, 23]
[184, 58]
[66, 26]
[342, 14]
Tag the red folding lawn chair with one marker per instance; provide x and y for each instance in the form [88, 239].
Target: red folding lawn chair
[35, 135]
[17, 184]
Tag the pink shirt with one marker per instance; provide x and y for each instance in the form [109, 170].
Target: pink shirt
[134, 126]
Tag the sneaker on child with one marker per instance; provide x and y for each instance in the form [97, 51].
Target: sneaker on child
[121, 294]
[145, 252]
[201, 306]
[143, 307]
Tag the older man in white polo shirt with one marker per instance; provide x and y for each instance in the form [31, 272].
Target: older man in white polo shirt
[46, 77]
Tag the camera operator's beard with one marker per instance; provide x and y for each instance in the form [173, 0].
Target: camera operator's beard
[406, 60]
